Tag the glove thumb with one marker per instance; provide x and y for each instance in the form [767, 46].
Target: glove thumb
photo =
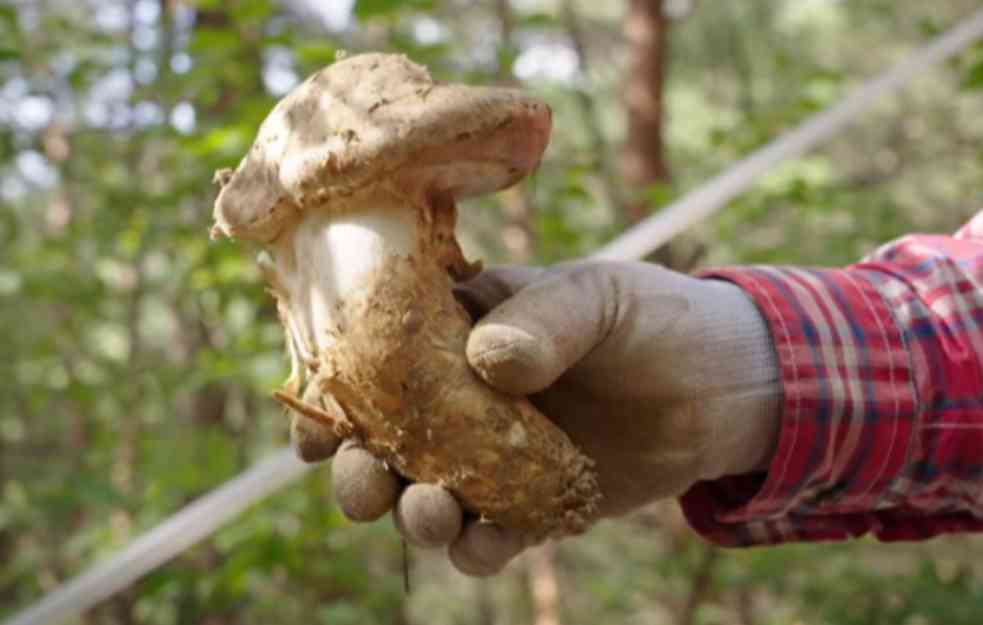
[529, 340]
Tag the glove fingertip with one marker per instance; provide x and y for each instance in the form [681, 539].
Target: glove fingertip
[363, 486]
[312, 441]
[510, 359]
[428, 516]
[483, 549]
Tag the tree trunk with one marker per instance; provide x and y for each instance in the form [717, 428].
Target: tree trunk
[643, 160]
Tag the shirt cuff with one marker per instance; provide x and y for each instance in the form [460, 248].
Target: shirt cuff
[848, 421]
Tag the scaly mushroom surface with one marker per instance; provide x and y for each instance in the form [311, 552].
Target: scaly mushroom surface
[351, 187]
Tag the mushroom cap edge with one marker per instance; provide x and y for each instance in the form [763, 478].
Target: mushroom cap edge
[374, 119]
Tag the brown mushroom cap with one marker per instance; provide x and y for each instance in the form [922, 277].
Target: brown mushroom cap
[378, 119]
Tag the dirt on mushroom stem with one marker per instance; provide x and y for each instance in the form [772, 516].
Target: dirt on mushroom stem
[351, 182]
[391, 370]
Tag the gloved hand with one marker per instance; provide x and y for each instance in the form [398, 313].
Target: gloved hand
[663, 379]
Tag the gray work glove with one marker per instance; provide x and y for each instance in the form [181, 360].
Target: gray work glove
[663, 379]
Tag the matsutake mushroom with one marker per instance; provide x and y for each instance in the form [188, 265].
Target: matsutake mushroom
[351, 187]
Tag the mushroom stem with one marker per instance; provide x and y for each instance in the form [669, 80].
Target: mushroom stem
[351, 183]
[365, 296]
[326, 258]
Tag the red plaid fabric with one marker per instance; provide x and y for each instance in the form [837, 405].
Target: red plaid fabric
[882, 373]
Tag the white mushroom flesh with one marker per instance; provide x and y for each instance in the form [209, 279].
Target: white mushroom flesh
[315, 266]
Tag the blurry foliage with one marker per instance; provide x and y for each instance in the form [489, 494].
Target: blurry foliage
[140, 354]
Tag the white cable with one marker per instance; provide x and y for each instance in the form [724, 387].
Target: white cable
[203, 517]
[714, 195]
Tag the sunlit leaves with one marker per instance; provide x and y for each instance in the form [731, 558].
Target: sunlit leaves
[973, 76]
[9, 34]
[365, 9]
[132, 265]
[315, 54]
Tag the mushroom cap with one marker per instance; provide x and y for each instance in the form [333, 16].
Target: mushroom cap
[378, 119]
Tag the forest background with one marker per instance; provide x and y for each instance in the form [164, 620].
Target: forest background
[138, 356]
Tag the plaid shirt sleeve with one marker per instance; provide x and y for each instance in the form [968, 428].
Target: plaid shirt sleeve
[882, 426]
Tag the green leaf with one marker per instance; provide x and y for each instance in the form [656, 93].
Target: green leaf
[929, 27]
[659, 194]
[8, 15]
[366, 9]
[341, 613]
[315, 54]
[974, 77]
[9, 54]
[538, 20]
[251, 10]
[215, 40]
